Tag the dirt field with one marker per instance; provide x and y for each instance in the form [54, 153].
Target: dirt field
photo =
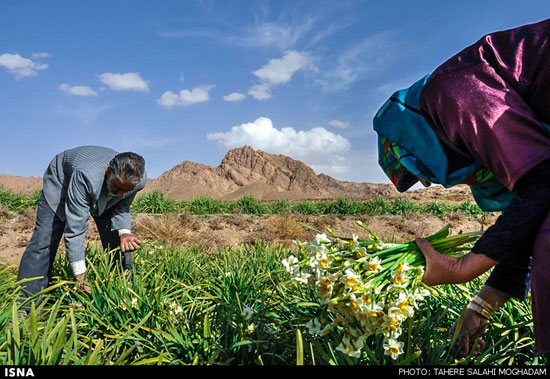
[230, 230]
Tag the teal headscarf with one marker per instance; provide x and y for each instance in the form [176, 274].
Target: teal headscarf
[409, 149]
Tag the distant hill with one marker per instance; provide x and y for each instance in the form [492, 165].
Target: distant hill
[245, 171]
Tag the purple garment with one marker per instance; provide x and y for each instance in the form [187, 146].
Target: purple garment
[540, 285]
[487, 101]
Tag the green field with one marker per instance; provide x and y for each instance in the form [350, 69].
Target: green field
[228, 306]
[158, 203]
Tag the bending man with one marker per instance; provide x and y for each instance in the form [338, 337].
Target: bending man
[79, 183]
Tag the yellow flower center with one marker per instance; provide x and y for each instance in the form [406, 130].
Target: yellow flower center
[404, 305]
[324, 261]
[394, 324]
[351, 244]
[351, 281]
[359, 254]
[394, 350]
[399, 279]
[399, 267]
[373, 266]
[354, 303]
[373, 314]
[327, 281]
[355, 288]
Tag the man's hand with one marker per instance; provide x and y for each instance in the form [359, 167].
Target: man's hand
[129, 243]
[82, 285]
[466, 342]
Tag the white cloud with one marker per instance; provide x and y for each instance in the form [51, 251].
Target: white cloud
[185, 97]
[77, 90]
[280, 70]
[130, 81]
[235, 96]
[317, 147]
[260, 91]
[280, 36]
[21, 67]
[339, 124]
[40, 55]
[373, 54]
[86, 113]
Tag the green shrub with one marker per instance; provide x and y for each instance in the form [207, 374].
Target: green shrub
[154, 202]
[249, 205]
[18, 202]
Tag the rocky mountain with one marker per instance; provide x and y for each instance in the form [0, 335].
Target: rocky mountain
[243, 171]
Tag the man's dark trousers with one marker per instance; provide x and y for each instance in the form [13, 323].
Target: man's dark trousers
[38, 258]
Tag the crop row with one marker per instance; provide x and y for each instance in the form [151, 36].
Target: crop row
[159, 203]
[236, 306]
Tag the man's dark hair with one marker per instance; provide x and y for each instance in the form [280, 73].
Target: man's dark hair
[128, 167]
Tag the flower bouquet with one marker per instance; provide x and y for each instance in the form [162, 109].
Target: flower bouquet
[368, 286]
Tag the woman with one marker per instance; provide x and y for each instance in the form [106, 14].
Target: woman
[482, 118]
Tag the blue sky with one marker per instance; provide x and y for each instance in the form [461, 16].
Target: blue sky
[189, 80]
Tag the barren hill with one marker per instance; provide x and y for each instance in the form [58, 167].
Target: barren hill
[245, 171]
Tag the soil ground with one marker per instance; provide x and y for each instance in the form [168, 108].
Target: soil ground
[231, 230]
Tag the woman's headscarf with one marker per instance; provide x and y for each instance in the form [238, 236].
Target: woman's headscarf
[409, 149]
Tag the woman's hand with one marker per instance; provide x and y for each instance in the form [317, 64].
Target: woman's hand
[466, 342]
[444, 269]
[440, 268]
[495, 299]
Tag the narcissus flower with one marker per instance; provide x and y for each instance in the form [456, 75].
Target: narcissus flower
[174, 307]
[291, 263]
[369, 287]
[393, 348]
[247, 312]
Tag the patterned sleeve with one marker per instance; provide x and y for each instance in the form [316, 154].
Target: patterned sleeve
[77, 210]
[121, 217]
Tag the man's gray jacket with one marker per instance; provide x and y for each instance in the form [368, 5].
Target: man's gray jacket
[74, 187]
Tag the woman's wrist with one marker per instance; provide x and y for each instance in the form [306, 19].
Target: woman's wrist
[487, 301]
[471, 265]
[494, 297]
